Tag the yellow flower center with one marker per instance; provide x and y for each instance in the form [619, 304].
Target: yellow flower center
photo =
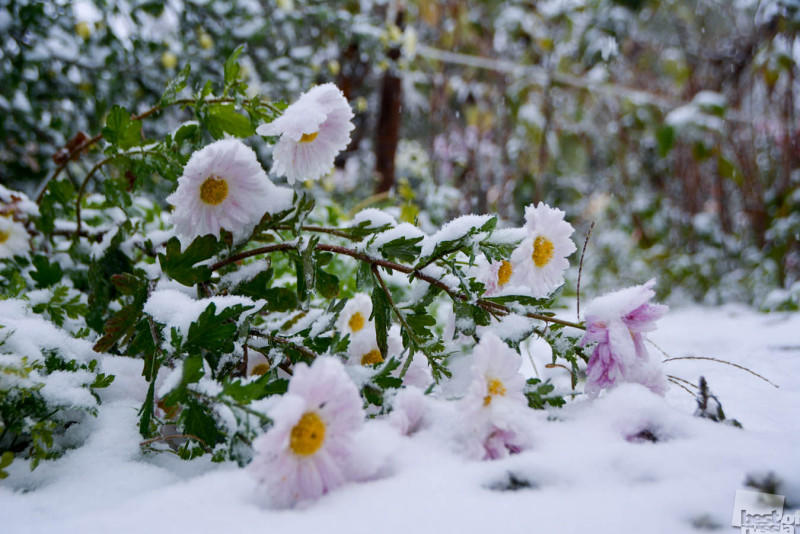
[260, 369]
[542, 251]
[504, 273]
[307, 138]
[214, 190]
[4, 236]
[372, 357]
[356, 322]
[307, 435]
[494, 388]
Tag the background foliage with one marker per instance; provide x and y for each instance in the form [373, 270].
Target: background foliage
[601, 107]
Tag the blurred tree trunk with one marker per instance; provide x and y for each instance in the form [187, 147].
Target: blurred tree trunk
[387, 131]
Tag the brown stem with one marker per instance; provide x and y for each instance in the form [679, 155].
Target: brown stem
[283, 341]
[485, 304]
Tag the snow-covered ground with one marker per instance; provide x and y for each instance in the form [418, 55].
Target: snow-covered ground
[581, 473]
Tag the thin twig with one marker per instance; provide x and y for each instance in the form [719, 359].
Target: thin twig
[726, 362]
[82, 190]
[580, 267]
[682, 380]
[485, 304]
[682, 386]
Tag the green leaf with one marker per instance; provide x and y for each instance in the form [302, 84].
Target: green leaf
[120, 130]
[222, 119]
[180, 265]
[196, 420]
[381, 312]
[46, 273]
[462, 243]
[260, 388]
[665, 137]
[257, 287]
[232, 66]
[175, 86]
[214, 332]
[402, 248]
[280, 299]
[102, 381]
[120, 324]
[327, 284]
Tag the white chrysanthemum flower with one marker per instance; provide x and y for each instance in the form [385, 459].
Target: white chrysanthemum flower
[495, 373]
[495, 275]
[224, 187]
[257, 364]
[540, 260]
[494, 400]
[313, 130]
[13, 238]
[363, 348]
[354, 317]
[309, 449]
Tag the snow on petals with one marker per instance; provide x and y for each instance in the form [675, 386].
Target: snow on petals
[224, 187]
[541, 259]
[494, 400]
[617, 323]
[13, 238]
[313, 130]
[309, 451]
[354, 317]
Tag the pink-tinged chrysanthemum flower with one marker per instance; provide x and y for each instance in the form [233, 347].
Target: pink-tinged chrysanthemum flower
[540, 260]
[363, 348]
[617, 323]
[354, 318]
[13, 238]
[308, 450]
[495, 275]
[224, 187]
[313, 130]
[409, 408]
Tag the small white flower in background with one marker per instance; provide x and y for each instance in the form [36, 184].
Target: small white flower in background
[309, 449]
[222, 187]
[313, 130]
[495, 275]
[541, 259]
[363, 348]
[257, 364]
[354, 317]
[13, 238]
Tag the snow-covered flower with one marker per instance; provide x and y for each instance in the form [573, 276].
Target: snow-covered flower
[257, 364]
[493, 401]
[13, 238]
[495, 275]
[363, 349]
[354, 317]
[223, 187]
[309, 449]
[540, 260]
[617, 323]
[495, 373]
[409, 408]
[313, 130]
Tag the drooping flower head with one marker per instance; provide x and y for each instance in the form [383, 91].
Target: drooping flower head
[308, 450]
[540, 260]
[363, 348]
[13, 238]
[313, 130]
[617, 322]
[354, 317]
[224, 187]
[495, 275]
[495, 373]
[494, 400]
